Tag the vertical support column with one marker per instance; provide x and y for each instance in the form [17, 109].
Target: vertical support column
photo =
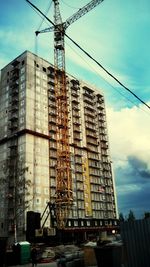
[63, 170]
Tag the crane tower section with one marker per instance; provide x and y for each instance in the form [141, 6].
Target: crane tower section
[63, 170]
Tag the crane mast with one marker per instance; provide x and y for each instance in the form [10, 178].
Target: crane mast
[64, 194]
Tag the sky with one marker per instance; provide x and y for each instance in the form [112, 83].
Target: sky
[117, 34]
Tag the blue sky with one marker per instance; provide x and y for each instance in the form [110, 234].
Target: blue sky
[117, 34]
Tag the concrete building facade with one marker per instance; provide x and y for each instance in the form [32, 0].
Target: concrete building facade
[28, 147]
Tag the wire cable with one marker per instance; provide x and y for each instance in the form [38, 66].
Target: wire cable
[73, 7]
[83, 50]
[118, 91]
[111, 75]
[43, 18]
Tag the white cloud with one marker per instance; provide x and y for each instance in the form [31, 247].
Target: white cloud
[127, 189]
[129, 131]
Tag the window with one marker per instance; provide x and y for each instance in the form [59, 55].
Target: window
[22, 102]
[21, 120]
[21, 148]
[44, 84]
[22, 94]
[38, 123]
[82, 223]
[37, 81]
[38, 200]
[22, 86]
[46, 191]
[46, 201]
[22, 111]
[22, 78]
[22, 70]
[88, 223]
[37, 180]
[74, 213]
[38, 190]
[37, 73]
[75, 223]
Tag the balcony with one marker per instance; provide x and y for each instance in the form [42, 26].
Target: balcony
[88, 100]
[102, 125]
[76, 143]
[101, 111]
[91, 142]
[78, 151]
[51, 82]
[75, 100]
[76, 128]
[90, 128]
[13, 126]
[78, 161]
[13, 108]
[77, 137]
[52, 113]
[52, 129]
[15, 91]
[51, 74]
[87, 90]
[102, 132]
[79, 169]
[106, 166]
[13, 117]
[103, 138]
[52, 122]
[75, 114]
[51, 97]
[90, 133]
[14, 100]
[104, 145]
[15, 63]
[89, 109]
[13, 144]
[51, 90]
[74, 91]
[93, 156]
[76, 122]
[75, 82]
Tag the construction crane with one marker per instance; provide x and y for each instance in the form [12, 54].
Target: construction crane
[64, 194]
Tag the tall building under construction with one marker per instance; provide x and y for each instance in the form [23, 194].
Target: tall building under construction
[28, 149]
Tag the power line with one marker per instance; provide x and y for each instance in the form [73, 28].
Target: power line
[118, 91]
[83, 50]
[111, 75]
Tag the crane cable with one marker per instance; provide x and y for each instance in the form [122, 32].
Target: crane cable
[43, 18]
[46, 12]
[69, 5]
[83, 50]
